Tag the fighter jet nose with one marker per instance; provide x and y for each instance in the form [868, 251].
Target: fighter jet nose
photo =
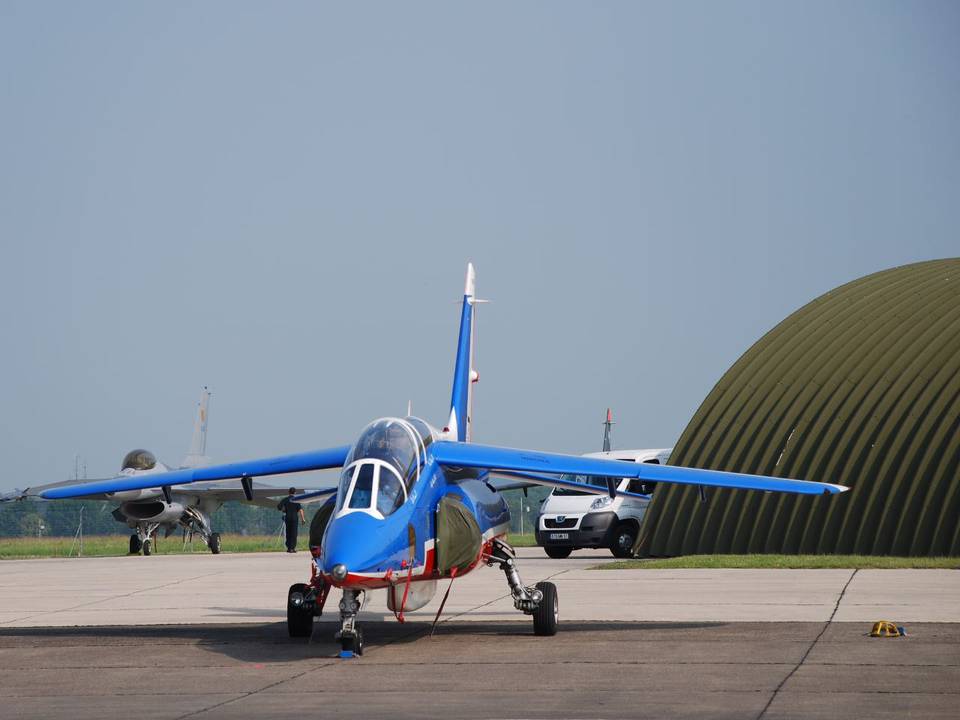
[339, 572]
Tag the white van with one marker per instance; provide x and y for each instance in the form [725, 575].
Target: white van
[571, 519]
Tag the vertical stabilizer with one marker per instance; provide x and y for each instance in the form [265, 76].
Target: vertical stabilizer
[607, 425]
[464, 374]
[197, 455]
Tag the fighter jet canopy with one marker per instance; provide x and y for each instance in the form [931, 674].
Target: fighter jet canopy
[396, 441]
[139, 460]
[383, 465]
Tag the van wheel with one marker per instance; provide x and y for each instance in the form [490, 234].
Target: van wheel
[623, 539]
[557, 552]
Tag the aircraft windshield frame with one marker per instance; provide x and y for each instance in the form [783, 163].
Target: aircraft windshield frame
[372, 486]
[396, 442]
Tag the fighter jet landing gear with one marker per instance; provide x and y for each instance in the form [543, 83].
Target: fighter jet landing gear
[196, 522]
[539, 601]
[141, 540]
[301, 607]
[349, 635]
[213, 542]
[304, 603]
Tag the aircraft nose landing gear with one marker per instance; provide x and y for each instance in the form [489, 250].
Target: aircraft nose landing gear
[349, 635]
[539, 601]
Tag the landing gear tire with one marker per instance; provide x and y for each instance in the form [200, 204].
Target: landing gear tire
[147, 547]
[214, 543]
[547, 614]
[623, 539]
[299, 614]
[352, 644]
[557, 552]
[134, 544]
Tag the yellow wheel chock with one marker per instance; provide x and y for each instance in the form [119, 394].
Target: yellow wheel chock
[885, 628]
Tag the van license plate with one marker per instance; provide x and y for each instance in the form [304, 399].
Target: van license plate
[559, 536]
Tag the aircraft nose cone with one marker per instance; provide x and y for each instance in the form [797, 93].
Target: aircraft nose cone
[339, 572]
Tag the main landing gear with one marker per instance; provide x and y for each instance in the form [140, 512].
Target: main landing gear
[196, 522]
[539, 601]
[305, 602]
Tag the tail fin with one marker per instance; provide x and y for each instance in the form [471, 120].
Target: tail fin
[464, 374]
[197, 455]
[607, 425]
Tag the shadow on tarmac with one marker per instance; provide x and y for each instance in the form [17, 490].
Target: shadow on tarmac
[269, 643]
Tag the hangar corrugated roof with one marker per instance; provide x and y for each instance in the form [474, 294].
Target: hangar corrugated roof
[860, 387]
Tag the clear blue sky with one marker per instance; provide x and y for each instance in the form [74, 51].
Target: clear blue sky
[279, 200]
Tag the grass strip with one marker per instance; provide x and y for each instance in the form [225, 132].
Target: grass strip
[790, 562]
[23, 548]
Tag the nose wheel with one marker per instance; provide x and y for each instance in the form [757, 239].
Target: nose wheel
[350, 646]
[349, 635]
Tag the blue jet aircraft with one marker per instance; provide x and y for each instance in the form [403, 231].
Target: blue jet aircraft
[416, 504]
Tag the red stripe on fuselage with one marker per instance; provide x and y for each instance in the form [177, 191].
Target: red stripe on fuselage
[393, 577]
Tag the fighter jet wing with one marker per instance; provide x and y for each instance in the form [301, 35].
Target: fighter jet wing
[506, 480]
[232, 492]
[36, 492]
[299, 462]
[538, 466]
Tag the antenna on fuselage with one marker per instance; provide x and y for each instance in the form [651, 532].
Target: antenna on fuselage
[409, 408]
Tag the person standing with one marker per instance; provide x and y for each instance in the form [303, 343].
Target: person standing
[292, 512]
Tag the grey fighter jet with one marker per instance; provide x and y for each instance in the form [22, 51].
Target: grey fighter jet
[170, 507]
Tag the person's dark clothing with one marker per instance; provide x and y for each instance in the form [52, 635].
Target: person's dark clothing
[291, 520]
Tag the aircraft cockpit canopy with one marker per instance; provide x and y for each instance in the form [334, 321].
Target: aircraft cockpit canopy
[139, 460]
[383, 465]
[399, 442]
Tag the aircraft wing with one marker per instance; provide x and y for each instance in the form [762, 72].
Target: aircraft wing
[507, 480]
[232, 492]
[535, 466]
[310, 496]
[299, 462]
[36, 492]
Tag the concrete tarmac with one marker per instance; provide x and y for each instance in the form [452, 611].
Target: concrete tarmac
[204, 636]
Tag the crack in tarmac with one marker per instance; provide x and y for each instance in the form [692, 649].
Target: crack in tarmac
[783, 682]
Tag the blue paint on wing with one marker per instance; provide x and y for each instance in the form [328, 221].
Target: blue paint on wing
[298, 462]
[488, 457]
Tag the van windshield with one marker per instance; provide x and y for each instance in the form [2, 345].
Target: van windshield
[582, 480]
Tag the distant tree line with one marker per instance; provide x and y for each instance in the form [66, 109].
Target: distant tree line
[62, 517]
